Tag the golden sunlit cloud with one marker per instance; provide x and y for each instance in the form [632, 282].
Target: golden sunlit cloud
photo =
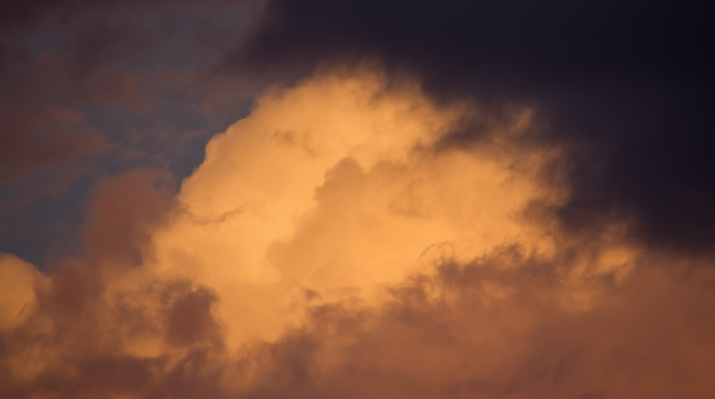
[281, 199]
[332, 245]
[332, 189]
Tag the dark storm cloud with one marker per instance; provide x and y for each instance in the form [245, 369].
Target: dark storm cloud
[624, 88]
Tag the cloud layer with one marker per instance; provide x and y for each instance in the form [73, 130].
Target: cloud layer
[425, 200]
[330, 246]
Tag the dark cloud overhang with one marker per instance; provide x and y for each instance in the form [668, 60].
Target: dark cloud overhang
[624, 87]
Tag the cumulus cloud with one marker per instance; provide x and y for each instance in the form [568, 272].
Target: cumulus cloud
[331, 245]
[624, 89]
[333, 188]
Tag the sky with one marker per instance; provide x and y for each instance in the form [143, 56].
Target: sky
[356, 199]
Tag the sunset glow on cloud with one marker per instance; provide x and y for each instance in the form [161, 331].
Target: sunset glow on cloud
[331, 190]
[413, 207]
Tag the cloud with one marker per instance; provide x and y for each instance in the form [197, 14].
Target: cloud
[18, 282]
[331, 245]
[484, 329]
[290, 198]
[97, 89]
[25, 150]
[623, 89]
[85, 326]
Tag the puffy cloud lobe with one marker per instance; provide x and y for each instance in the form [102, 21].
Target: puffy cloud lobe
[330, 188]
[18, 287]
[325, 248]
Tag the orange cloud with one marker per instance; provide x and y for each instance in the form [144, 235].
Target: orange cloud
[333, 188]
[331, 246]
[121, 209]
[17, 285]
